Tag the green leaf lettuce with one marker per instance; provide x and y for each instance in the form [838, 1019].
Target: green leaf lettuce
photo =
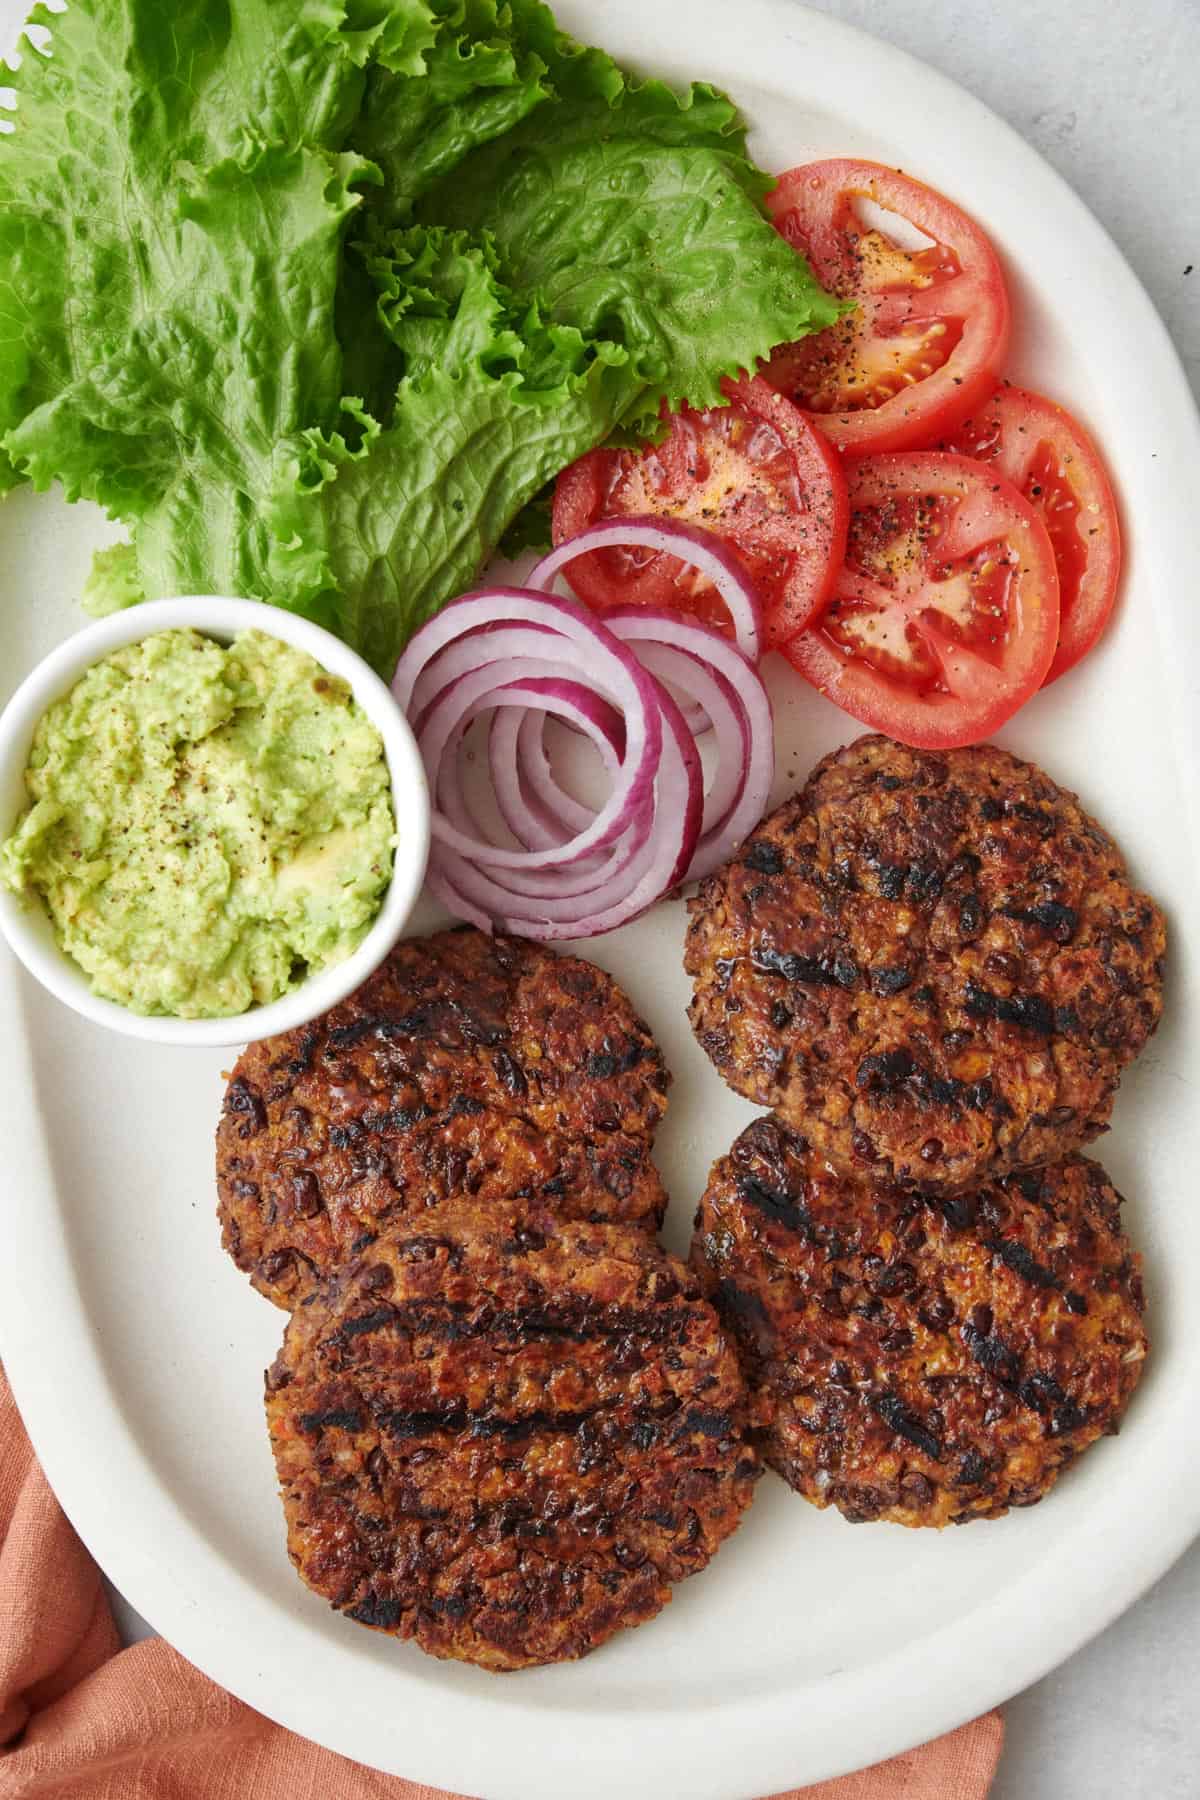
[316, 295]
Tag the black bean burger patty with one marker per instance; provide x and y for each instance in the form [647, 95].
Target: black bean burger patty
[466, 1065]
[507, 1446]
[925, 1360]
[930, 962]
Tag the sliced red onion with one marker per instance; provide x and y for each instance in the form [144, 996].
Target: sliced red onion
[535, 773]
[524, 811]
[691, 544]
[624, 865]
[622, 856]
[521, 805]
[526, 657]
[550, 803]
[438, 730]
[518, 744]
[548, 635]
[645, 627]
[531, 823]
[438, 883]
[656, 868]
[451, 797]
[723, 712]
[473, 630]
[528, 816]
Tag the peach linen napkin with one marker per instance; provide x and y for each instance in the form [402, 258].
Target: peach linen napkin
[82, 1719]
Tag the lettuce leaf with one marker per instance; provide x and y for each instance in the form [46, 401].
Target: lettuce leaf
[633, 211]
[177, 430]
[478, 79]
[488, 66]
[136, 108]
[113, 582]
[65, 154]
[638, 218]
[188, 252]
[374, 529]
[395, 34]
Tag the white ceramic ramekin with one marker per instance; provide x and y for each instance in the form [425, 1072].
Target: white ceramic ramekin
[27, 926]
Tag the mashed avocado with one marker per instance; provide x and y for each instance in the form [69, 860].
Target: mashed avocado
[209, 823]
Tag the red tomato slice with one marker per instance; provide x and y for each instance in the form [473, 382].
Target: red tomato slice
[930, 328]
[1049, 457]
[754, 472]
[945, 615]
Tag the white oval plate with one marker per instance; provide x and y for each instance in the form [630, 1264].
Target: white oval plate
[810, 1646]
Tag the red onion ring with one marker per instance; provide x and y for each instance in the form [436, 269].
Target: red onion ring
[536, 824]
[601, 867]
[518, 751]
[652, 871]
[592, 717]
[554, 814]
[558, 812]
[691, 544]
[680, 779]
[724, 714]
[536, 774]
[458, 904]
[437, 731]
[457, 816]
[527, 656]
[643, 625]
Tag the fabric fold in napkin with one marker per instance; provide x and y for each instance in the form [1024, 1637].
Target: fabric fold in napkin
[82, 1719]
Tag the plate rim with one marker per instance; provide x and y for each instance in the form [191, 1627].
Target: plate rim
[756, 1748]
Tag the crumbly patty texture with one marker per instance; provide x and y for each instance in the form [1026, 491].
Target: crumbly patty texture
[925, 1360]
[931, 963]
[466, 1066]
[507, 1446]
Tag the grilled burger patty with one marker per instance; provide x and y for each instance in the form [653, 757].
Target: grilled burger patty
[924, 1360]
[466, 1065]
[930, 962]
[507, 1446]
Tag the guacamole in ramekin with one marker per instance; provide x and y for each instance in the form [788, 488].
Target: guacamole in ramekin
[208, 824]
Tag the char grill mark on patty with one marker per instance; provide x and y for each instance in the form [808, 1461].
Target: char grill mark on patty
[1029, 1010]
[645, 1429]
[1022, 1261]
[905, 1424]
[777, 1205]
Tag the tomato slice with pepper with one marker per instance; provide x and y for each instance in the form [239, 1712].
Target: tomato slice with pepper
[754, 472]
[1049, 457]
[944, 618]
[929, 330]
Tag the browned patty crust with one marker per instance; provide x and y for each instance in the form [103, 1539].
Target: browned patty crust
[466, 1065]
[924, 1360]
[507, 1446]
[305, 1197]
[930, 962]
